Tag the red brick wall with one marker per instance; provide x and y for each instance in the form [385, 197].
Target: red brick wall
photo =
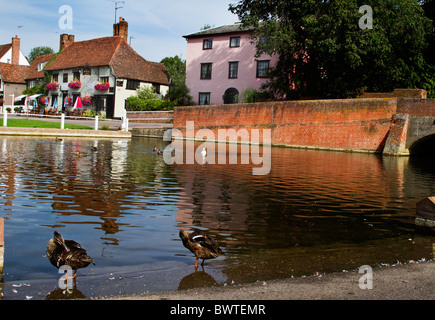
[417, 107]
[360, 124]
[357, 124]
[150, 116]
[397, 93]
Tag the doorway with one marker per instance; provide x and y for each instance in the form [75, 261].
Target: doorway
[231, 96]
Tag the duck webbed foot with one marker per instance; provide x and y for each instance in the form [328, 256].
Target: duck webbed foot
[65, 276]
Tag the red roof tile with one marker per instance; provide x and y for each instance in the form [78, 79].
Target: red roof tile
[96, 52]
[110, 51]
[33, 71]
[4, 48]
[127, 63]
[13, 73]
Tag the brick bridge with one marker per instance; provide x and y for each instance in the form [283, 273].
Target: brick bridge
[412, 128]
[392, 126]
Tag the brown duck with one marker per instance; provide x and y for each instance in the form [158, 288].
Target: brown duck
[67, 252]
[201, 245]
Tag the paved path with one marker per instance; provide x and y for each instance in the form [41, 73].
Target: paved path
[413, 281]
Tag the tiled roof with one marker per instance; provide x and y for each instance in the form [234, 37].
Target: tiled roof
[110, 51]
[96, 52]
[13, 73]
[226, 29]
[127, 63]
[33, 71]
[4, 48]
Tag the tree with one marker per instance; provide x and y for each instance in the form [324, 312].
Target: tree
[429, 76]
[39, 88]
[176, 68]
[207, 26]
[39, 51]
[429, 10]
[179, 95]
[324, 52]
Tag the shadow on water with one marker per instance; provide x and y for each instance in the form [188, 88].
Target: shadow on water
[315, 212]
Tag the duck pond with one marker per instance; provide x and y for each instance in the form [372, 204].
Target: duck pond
[315, 212]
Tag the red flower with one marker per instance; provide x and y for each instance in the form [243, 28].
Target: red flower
[102, 86]
[52, 85]
[75, 84]
[87, 100]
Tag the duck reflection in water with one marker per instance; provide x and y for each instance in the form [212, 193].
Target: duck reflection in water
[65, 293]
[201, 245]
[197, 279]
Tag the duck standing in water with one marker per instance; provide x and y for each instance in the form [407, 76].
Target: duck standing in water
[67, 252]
[201, 245]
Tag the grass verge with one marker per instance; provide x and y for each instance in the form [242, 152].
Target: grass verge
[29, 123]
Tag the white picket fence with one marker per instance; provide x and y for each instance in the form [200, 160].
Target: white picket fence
[62, 117]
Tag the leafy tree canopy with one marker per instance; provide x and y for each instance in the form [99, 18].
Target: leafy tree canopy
[176, 68]
[39, 51]
[324, 52]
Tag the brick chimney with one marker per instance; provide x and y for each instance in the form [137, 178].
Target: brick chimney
[120, 29]
[65, 40]
[15, 51]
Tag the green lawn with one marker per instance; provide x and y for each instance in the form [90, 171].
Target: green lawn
[28, 123]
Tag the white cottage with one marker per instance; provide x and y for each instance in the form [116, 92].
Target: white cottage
[106, 70]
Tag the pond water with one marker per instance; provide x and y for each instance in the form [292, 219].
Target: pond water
[315, 212]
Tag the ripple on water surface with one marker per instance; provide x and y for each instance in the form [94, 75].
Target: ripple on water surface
[314, 212]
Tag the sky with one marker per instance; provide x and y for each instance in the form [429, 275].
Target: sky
[155, 28]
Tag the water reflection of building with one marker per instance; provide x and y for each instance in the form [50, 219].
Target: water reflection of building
[305, 191]
[8, 180]
[92, 183]
[212, 198]
[2, 247]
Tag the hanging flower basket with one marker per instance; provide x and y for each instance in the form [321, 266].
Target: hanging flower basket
[76, 84]
[87, 100]
[52, 85]
[102, 86]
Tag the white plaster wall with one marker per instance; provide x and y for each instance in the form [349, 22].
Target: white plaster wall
[7, 58]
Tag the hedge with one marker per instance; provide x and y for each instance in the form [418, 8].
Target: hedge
[136, 104]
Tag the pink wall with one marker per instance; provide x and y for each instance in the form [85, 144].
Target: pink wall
[220, 56]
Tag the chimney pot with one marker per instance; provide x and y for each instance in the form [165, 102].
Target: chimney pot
[65, 40]
[121, 29]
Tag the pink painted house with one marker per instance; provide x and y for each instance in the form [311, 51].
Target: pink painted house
[221, 64]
